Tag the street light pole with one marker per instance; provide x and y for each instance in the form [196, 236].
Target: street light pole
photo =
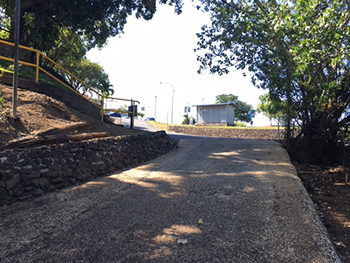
[172, 99]
[155, 107]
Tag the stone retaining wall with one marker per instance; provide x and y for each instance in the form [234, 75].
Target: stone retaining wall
[29, 172]
[263, 134]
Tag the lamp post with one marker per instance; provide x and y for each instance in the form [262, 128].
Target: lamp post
[172, 99]
[155, 107]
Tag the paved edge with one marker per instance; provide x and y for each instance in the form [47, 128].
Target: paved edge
[320, 231]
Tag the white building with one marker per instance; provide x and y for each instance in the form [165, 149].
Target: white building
[216, 114]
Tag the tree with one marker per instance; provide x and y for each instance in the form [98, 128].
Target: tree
[299, 51]
[91, 74]
[65, 30]
[271, 107]
[242, 110]
[68, 49]
[187, 120]
[226, 98]
[94, 20]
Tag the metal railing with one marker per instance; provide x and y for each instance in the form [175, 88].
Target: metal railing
[38, 68]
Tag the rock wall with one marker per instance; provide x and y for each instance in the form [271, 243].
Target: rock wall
[263, 134]
[29, 172]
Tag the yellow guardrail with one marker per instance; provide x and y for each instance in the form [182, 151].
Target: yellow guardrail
[39, 68]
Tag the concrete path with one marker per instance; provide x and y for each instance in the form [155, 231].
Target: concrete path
[211, 200]
[138, 124]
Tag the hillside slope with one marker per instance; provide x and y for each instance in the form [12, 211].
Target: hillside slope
[39, 114]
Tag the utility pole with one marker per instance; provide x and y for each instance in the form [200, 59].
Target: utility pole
[155, 107]
[16, 57]
[172, 99]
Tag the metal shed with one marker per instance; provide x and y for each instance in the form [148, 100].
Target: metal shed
[223, 113]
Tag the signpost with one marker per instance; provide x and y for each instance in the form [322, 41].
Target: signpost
[132, 109]
[251, 116]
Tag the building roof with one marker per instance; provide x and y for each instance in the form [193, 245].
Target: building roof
[216, 104]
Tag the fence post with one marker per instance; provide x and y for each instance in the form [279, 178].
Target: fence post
[132, 115]
[103, 108]
[37, 66]
[279, 133]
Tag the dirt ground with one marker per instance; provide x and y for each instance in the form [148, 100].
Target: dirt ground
[329, 187]
[38, 113]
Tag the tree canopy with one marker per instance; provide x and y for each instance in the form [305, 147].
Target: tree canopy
[91, 74]
[299, 51]
[271, 107]
[65, 30]
[92, 20]
[242, 110]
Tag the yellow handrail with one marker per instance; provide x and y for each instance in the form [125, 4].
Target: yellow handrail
[38, 69]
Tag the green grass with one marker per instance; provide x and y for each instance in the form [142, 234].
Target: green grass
[164, 126]
[5, 70]
[4, 112]
[159, 125]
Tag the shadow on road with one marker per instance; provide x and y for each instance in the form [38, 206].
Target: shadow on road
[211, 200]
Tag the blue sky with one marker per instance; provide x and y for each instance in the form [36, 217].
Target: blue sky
[162, 50]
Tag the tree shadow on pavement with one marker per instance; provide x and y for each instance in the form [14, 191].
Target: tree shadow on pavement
[212, 200]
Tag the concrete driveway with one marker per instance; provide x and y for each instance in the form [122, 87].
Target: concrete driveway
[211, 200]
